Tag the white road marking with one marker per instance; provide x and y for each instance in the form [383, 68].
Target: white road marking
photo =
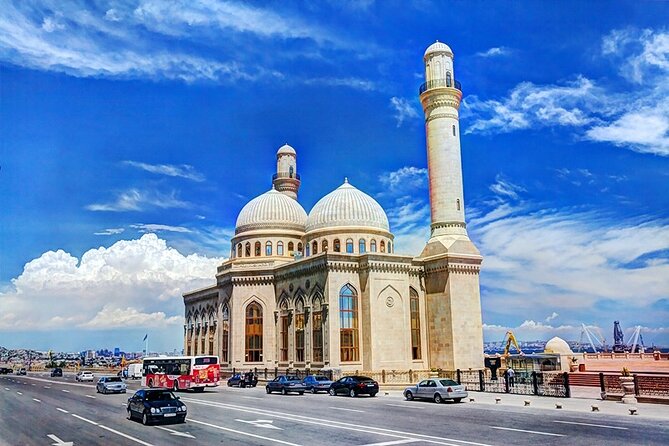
[267, 424]
[409, 406]
[589, 424]
[47, 387]
[19, 393]
[62, 410]
[295, 418]
[242, 433]
[84, 419]
[529, 432]
[136, 440]
[389, 443]
[66, 391]
[252, 397]
[89, 396]
[6, 388]
[177, 433]
[348, 410]
[35, 399]
[32, 384]
[59, 442]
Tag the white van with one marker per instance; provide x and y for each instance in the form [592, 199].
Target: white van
[134, 371]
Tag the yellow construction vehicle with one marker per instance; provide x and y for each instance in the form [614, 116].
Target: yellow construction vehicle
[509, 338]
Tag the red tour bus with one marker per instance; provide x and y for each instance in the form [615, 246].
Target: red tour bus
[181, 372]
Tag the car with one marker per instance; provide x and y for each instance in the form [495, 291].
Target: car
[111, 384]
[285, 384]
[316, 383]
[235, 380]
[21, 371]
[84, 376]
[5, 371]
[153, 405]
[250, 379]
[57, 372]
[354, 386]
[437, 390]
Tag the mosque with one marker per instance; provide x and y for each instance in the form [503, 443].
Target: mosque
[326, 290]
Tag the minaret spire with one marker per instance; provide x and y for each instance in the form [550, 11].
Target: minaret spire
[286, 179]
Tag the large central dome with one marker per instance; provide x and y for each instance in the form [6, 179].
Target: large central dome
[347, 206]
[271, 210]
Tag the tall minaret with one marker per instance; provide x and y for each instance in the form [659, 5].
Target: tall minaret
[451, 261]
[286, 180]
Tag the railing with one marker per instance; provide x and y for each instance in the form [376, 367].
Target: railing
[438, 83]
[555, 384]
[268, 374]
[285, 175]
[644, 384]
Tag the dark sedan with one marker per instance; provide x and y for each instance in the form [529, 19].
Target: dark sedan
[235, 380]
[153, 405]
[315, 383]
[57, 372]
[354, 386]
[285, 385]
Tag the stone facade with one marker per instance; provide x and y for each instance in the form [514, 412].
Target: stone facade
[326, 290]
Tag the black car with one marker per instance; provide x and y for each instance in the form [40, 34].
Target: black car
[21, 371]
[235, 380]
[5, 371]
[57, 372]
[285, 384]
[250, 379]
[354, 386]
[153, 405]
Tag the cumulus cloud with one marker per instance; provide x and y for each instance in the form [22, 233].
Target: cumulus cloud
[403, 109]
[184, 170]
[134, 283]
[551, 317]
[405, 177]
[139, 200]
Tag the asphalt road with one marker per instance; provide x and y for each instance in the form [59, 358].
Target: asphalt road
[39, 410]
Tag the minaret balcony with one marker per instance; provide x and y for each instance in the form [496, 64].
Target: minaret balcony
[295, 176]
[439, 83]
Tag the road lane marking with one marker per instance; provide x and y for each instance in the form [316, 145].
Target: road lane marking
[136, 440]
[267, 424]
[84, 419]
[589, 424]
[62, 410]
[348, 410]
[173, 432]
[295, 418]
[32, 384]
[252, 397]
[66, 391]
[248, 434]
[529, 432]
[6, 388]
[89, 396]
[59, 442]
[35, 399]
[19, 393]
[47, 387]
[408, 406]
[389, 443]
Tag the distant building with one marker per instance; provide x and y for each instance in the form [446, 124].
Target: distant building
[327, 290]
[117, 351]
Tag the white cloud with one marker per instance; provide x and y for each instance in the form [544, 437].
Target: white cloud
[157, 228]
[131, 283]
[404, 178]
[493, 52]
[351, 82]
[110, 231]
[184, 170]
[138, 200]
[404, 110]
[551, 317]
[505, 188]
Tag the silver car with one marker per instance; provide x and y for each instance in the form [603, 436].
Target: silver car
[111, 384]
[437, 390]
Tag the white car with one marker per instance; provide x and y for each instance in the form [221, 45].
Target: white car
[84, 376]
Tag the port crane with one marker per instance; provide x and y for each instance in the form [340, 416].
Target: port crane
[509, 339]
[593, 335]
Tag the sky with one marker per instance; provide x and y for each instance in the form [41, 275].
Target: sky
[133, 132]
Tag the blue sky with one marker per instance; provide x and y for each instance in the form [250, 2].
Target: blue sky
[133, 132]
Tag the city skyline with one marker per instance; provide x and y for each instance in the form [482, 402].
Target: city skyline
[133, 133]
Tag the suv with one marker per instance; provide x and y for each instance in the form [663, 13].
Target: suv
[84, 376]
[57, 372]
[21, 371]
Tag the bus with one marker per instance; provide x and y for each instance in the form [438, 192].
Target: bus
[181, 372]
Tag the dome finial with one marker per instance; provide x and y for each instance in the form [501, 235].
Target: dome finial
[345, 180]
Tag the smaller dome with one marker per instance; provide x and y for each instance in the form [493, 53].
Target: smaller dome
[558, 346]
[438, 47]
[271, 210]
[286, 150]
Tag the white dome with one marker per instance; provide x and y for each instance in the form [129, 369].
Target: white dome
[271, 210]
[347, 206]
[438, 47]
[286, 149]
[558, 346]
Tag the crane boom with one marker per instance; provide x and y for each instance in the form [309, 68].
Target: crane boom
[509, 339]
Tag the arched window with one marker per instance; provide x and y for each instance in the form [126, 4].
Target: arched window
[257, 249]
[324, 246]
[383, 246]
[268, 248]
[337, 245]
[348, 324]
[390, 247]
[247, 250]
[457, 203]
[349, 245]
[415, 323]
[291, 171]
[283, 331]
[317, 330]
[254, 333]
[291, 247]
[453, 130]
[307, 250]
[225, 331]
[239, 250]
[299, 248]
[372, 246]
[314, 247]
[362, 246]
[299, 330]
[279, 248]
[449, 81]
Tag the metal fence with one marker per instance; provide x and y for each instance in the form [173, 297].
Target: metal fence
[555, 384]
[652, 385]
[269, 374]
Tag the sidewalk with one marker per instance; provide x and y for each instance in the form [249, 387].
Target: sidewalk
[580, 403]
